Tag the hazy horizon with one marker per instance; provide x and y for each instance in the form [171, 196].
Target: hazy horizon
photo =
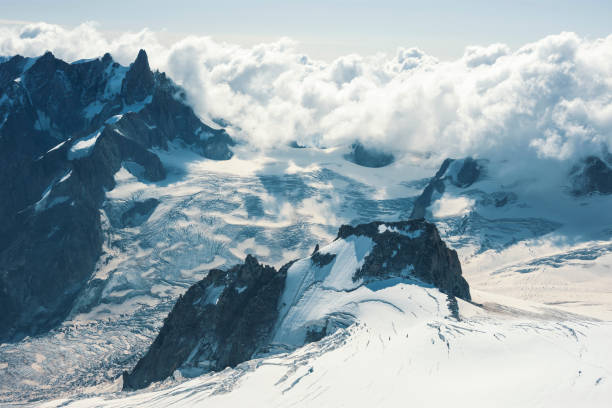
[327, 30]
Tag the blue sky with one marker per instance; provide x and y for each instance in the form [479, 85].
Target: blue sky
[327, 29]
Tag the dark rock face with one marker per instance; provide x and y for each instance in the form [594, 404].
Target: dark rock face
[52, 187]
[368, 157]
[315, 334]
[216, 147]
[228, 317]
[139, 80]
[296, 145]
[436, 184]
[44, 265]
[592, 176]
[410, 248]
[167, 118]
[321, 260]
[470, 172]
[139, 212]
[221, 321]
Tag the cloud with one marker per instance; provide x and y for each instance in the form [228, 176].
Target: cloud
[548, 99]
[475, 55]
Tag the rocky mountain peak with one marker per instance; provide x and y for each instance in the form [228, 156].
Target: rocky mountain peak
[461, 173]
[107, 58]
[139, 80]
[220, 321]
[591, 175]
[230, 316]
[46, 63]
[142, 62]
[409, 248]
[66, 130]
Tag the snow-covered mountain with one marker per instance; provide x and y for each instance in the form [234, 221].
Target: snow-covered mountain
[66, 129]
[120, 171]
[406, 348]
[230, 317]
[536, 230]
[382, 339]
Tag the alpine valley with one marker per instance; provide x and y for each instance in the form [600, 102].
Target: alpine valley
[152, 257]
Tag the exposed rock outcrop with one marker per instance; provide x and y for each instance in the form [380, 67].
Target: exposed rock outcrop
[461, 173]
[139, 80]
[368, 157]
[468, 173]
[410, 248]
[436, 184]
[139, 212]
[65, 130]
[221, 321]
[593, 175]
[228, 317]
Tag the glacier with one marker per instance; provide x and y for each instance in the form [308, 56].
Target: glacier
[543, 287]
[404, 347]
[535, 253]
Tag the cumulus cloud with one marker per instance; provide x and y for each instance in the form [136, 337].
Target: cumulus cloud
[549, 99]
[475, 55]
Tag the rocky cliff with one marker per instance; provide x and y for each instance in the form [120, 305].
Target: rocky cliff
[231, 316]
[219, 322]
[461, 173]
[410, 248]
[591, 175]
[65, 130]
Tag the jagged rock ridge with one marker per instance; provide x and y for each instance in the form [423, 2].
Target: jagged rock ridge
[65, 130]
[461, 173]
[220, 321]
[410, 248]
[592, 175]
[228, 317]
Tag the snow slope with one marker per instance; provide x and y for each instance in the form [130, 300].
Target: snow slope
[541, 244]
[314, 294]
[211, 214]
[405, 349]
[395, 342]
[545, 249]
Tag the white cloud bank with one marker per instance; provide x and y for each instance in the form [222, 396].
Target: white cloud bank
[551, 98]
